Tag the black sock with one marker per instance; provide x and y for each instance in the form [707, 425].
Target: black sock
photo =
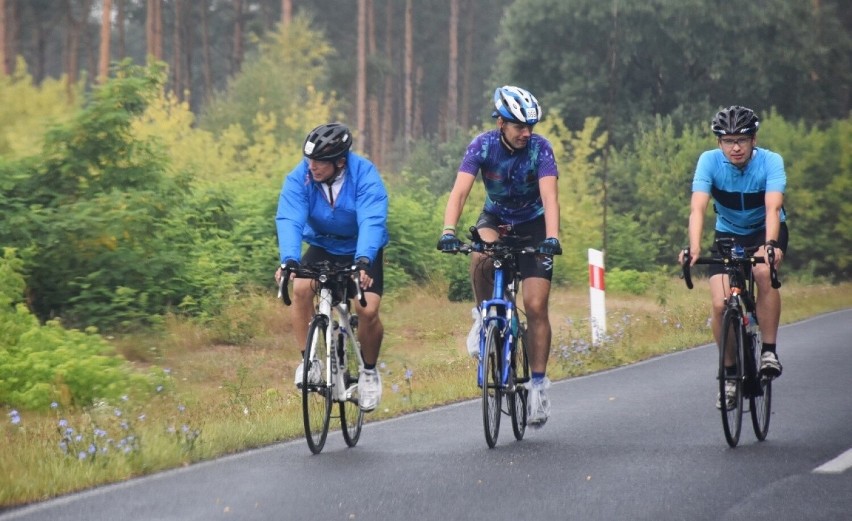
[730, 370]
[369, 367]
[768, 347]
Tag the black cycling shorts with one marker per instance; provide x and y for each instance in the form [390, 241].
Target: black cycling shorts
[530, 265]
[376, 269]
[752, 240]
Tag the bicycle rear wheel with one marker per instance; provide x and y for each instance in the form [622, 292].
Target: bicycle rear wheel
[491, 395]
[351, 415]
[316, 397]
[760, 403]
[732, 341]
[520, 375]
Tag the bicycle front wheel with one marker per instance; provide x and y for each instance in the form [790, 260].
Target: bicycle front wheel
[760, 403]
[520, 375]
[316, 392]
[732, 343]
[351, 415]
[491, 395]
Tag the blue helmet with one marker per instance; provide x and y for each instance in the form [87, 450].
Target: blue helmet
[517, 105]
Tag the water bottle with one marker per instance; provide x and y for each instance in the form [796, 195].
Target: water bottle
[751, 324]
[336, 334]
[515, 324]
[737, 252]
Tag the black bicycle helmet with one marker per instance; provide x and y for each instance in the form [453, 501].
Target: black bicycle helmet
[735, 120]
[327, 142]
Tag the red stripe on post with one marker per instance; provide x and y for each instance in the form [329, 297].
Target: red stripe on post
[596, 277]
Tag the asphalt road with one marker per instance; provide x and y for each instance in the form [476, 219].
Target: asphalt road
[642, 442]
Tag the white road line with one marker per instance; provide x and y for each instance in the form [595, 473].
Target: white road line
[837, 465]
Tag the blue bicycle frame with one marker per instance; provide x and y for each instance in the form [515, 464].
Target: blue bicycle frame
[503, 312]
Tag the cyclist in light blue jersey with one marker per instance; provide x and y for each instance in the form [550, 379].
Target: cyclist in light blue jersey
[335, 201]
[520, 176]
[747, 186]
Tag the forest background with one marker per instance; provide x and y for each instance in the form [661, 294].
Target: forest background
[143, 145]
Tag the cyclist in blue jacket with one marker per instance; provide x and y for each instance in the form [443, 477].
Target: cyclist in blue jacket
[747, 186]
[335, 201]
[520, 176]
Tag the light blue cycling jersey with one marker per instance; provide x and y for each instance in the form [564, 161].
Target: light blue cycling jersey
[355, 225]
[511, 178]
[739, 195]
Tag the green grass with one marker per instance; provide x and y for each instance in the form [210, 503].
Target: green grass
[226, 398]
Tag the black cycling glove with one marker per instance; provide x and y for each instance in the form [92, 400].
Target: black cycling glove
[449, 243]
[549, 246]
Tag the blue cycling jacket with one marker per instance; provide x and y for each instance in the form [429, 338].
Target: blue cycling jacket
[739, 195]
[511, 178]
[356, 225]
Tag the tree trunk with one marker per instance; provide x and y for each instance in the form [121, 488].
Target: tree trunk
[361, 73]
[4, 65]
[72, 47]
[205, 50]
[237, 55]
[177, 52]
[154, 29]
[120, 20]
[467, 69]
[286, 12]
[103, 60]
[372, 101]
[408, 53]
[387, 110]
[451, 118]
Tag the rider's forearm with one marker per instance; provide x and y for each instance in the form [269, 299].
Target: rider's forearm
[696, 228]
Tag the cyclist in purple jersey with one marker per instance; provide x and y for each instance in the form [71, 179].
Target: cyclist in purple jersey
[520, 177]
[747, 186]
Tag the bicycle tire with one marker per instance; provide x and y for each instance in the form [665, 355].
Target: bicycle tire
[351, 415]
[732, 339]
[520, 374]
[760, 403]
[491, 395]
[316, 398]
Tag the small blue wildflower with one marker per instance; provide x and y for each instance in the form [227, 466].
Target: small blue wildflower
[118, 412]
[141, 417]
[181, 408]
[408, 374]
[395, 388]
[64, 446]
[382, 365]
[159, 388]
[63, 423]
[69, 431]
[81, 456]
[92, 448]
[100, 433]
[78, 438]
[185, 428]
[54, 405]
[124, 425]
[14, 417]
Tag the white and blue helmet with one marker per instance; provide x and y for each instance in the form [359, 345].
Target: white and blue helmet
[517, 105]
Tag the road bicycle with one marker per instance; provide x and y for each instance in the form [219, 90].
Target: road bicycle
[503, 369]
[740, 337]
[332, 342]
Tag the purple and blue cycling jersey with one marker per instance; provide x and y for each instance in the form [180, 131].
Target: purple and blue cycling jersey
[511, 178]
